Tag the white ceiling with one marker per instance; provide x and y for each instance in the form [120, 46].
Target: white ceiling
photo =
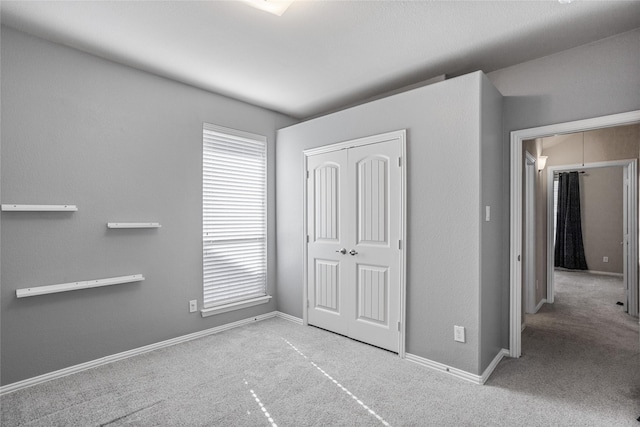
[320, 55]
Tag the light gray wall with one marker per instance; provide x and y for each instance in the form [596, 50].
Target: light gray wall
[594, 80]
[102, 116]
[124, 146]
[443, 123]
[492, 253]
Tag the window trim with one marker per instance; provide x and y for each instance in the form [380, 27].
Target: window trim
[253, 299]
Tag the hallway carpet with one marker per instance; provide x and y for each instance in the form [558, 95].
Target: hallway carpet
[579, 367]
[582, 351]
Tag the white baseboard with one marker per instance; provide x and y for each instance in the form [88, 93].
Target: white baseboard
[605, 273]
[540, 304]
[601, 273]
[493, 365]
[459, 373]
[289, 317]
[10, 388]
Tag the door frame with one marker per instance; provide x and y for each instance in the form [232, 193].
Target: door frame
[630, 209]
[401, 137]
[515, 247]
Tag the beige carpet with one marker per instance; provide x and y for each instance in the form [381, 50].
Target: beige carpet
[580, 367]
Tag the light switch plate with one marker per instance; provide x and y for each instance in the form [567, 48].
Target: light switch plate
[458, 333]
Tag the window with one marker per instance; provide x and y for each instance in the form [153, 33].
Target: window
[234, 226]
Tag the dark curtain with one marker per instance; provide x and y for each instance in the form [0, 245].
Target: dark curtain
[569, 250]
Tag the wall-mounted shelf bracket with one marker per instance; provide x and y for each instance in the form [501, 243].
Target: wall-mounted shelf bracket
[40, 208]
[65, 287]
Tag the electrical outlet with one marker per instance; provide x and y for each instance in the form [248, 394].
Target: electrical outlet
[193, 306]
[458, 333]
[605, 259]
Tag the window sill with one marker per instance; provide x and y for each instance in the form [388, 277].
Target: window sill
[206, 312]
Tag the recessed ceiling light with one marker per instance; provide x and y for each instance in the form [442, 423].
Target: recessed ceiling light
[277, 7]
[565, 1]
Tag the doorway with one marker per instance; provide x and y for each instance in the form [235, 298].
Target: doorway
[355, 239]
[516, 199]
[629, 239]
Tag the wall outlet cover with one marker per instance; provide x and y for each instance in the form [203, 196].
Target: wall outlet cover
[458, 333]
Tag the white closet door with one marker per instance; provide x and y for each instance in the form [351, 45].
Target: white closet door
[375, 207]
[354, 201]
[327, 231]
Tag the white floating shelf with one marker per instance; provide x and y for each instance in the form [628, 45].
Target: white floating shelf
[133, 225]
[65, 287]
[40, 208]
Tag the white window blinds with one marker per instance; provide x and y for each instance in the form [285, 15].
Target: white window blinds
[234, 226]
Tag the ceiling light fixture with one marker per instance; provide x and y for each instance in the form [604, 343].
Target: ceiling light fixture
[564, 1]
[277, 7]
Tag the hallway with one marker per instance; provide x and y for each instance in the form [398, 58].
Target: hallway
[583, 349]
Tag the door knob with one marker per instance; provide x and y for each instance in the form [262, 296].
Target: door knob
[353, 252]
[342, 251]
